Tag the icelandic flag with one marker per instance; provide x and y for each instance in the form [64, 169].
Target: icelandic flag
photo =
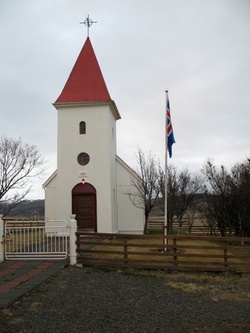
[170, 132]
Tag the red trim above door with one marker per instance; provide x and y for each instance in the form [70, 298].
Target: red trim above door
[84, 188]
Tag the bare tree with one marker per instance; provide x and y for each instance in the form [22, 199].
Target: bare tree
[182, 188]
[19, 165]
[240, 190]
[227, 197]
[146, 189]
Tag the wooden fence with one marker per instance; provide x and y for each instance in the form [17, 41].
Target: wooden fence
[156, 223]
[164, 252]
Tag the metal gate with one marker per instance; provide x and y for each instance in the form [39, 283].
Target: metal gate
[42, 240]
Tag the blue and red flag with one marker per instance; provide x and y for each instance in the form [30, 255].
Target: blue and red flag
[170, 132]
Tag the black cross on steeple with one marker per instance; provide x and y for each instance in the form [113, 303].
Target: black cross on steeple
[88, 22]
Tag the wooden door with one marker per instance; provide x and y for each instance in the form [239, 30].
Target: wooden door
[84, 206]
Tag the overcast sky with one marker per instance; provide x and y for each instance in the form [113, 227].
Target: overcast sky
[199, 50]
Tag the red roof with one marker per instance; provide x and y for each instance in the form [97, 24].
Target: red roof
[85, 82]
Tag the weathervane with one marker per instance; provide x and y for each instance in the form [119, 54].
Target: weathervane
[88, 22]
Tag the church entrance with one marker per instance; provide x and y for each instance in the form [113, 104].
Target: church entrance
[84, 206]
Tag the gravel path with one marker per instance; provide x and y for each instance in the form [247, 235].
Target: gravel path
[95, 301]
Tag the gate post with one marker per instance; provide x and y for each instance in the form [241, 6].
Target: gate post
[72, 239]
[1, 239]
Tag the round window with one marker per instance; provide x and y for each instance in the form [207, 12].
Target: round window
[83, 158]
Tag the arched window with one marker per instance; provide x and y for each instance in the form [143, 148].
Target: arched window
[82, 127]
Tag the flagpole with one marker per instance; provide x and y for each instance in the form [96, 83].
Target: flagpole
[166, 175]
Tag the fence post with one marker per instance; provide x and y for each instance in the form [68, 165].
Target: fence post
[165, 238]
[125, 251]
[225, 255]
[175, 251]
[1, 239]
[72, 239]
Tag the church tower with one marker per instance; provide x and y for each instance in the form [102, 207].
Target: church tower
[86, 147]
[91, 181]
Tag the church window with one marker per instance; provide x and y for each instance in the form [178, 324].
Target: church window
[83, 158]
[82, 127]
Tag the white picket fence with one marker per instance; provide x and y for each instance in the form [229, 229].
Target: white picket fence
[41, 240]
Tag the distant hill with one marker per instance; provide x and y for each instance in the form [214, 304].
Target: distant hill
[27, 208]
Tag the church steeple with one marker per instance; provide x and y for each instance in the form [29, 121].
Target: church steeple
[90, 179]
[85, 82]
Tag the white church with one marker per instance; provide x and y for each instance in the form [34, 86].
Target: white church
[91, 181]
